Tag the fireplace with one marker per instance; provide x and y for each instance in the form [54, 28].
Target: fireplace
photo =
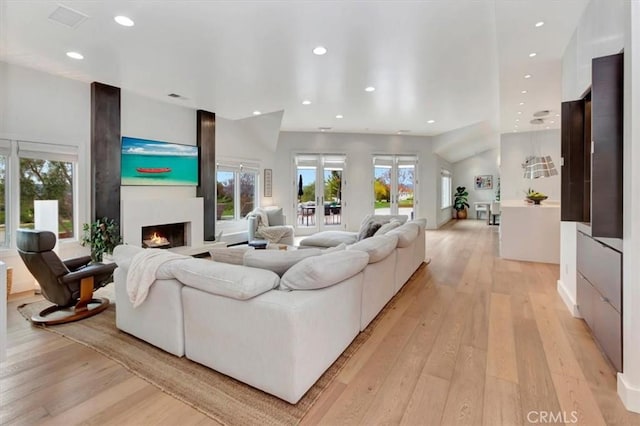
[164, 236]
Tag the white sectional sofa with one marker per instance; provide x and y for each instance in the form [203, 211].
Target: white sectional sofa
[278, 334]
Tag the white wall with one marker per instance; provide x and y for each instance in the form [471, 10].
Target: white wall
[607, 27]
[514, 149]
[40, 107]
[465, 172]
[359, 149]
[252, 139]
[146, 118]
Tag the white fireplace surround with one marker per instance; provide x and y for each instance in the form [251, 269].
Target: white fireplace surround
[151, 212]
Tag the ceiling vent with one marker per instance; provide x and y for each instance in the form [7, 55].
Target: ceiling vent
[68, 17]
[537, 121]
[542, 113]
[174, 95]
[324, 129]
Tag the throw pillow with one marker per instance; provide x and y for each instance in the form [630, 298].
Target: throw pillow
[232, 255]
[406, 234]
[371, 228]
[278, 261]
[275, 216]
[324, 271]
[388, 227]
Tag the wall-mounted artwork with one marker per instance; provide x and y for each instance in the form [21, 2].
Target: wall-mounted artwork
[147, 162]
[484, 182]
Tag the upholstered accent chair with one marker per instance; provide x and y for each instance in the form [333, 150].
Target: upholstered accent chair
[68, 284]
[270, 224]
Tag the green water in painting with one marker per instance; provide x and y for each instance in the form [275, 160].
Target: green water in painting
[184, 169]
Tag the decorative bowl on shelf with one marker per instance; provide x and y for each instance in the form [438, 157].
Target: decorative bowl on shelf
[536, 198]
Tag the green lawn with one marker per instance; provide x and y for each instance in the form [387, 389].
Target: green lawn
[386, 204]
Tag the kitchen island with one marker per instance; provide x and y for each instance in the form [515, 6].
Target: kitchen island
[530, 232]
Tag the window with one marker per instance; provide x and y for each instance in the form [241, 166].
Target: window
[47, 180]
[445, 180]
[236, 190]
[41, 172]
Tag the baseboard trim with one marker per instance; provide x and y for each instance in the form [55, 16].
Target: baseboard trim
[629, 395]
[568, 300]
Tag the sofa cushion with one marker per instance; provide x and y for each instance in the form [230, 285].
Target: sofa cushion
[422, 222]
[324, 271]
[234, 281]
[339, 247]
[233, 255]
[275, 216]
[330, 239]
[378, 247]
[278, 261]
[388, 227]
[406, 234]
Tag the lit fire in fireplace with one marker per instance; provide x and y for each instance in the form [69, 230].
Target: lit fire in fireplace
[156, 240]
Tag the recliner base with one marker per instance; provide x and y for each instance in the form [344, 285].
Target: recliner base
[59, 315]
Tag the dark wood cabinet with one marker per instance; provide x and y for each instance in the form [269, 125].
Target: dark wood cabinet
[606, 161]
[599, 294]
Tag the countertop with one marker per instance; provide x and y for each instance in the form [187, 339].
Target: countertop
[547, 204]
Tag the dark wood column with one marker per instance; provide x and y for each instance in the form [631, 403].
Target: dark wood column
[105, 151]
[206, 141]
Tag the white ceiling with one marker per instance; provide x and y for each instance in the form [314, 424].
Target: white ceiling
[460, 63]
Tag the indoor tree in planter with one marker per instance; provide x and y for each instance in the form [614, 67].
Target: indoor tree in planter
[102, 236]
[460, 202]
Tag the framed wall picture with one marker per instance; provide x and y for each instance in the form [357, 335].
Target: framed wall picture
[484, 182]
[268, 182]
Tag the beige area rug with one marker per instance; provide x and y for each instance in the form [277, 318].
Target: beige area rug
[218, 396]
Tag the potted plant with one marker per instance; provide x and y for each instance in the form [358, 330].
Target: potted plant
[102, 236]
[460, 202]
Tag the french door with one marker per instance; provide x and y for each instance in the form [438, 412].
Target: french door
[394, 184]
[318, 184]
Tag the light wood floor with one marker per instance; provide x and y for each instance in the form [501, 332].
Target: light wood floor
[473, 339]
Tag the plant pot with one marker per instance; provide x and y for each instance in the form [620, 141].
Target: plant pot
[461, 214]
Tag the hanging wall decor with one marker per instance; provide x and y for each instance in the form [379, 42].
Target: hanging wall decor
[484, 182]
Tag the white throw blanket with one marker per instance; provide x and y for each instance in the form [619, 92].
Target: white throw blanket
[142, 272]
[273, 233]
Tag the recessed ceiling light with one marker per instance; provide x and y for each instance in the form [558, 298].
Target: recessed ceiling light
[539, 24]
[557, 115]
[400, 132]
[532, 54]
[517, 119]
[256, 113]
[319, 50]
[431, 121]
[551, 121]
[75, 55]
[125, 21]
[306, 102]
[523, 92]
[339, 116]
[521, 103]
[324, 129]
[527, 76]
[548, 127]
[369, 89]
[515, 131]
[516, 126]
[519, 112]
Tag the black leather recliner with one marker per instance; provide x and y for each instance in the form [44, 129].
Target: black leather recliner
[68, 284]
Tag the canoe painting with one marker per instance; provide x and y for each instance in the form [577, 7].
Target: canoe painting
[148, 162]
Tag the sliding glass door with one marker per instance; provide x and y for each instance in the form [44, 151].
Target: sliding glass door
[319, 179]
[394, 184]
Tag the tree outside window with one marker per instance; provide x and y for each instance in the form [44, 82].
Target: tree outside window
[47, 180]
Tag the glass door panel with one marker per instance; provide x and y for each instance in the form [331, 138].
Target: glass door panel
[382, 189]
[332, 198]
[306, 196]
[406, 186]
